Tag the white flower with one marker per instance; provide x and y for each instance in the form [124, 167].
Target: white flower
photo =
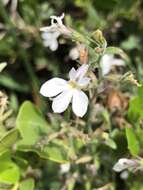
[125, 163]
[50, 39]
[64, 168]
[52, 32]
[56, 25]
[124, 175]
[74, 53]
[120, 165]
[68, 91]
[107, 61]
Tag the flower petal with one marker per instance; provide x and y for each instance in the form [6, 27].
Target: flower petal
[79, 103]
[81, 71]
[118, 62]
[105, 67]
[46, 35]
[72, 74]
[74, 53]
[120, 165]
[61, 102]
[53, 45]
[118, 168]
[53, 87]
[84, 81]
[108, 61]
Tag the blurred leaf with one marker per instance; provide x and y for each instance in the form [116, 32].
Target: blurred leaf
[33, 129]
[114, 50]
[84, 159]
[14, 104]
[131, 43]
[117, 51]
[9, 82]
[109, 142]
[8, 140]
[107, 5]
[31, 124]
[27, 184]
[9, 171]
[135, 111]
[51, 151]
[133, 143]
[93, 14]
[140, 91]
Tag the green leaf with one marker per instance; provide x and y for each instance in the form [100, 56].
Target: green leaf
[8, 82]
[109, 142]
[9, 171]
[135, 111]
[34, 131]
[49, 151]
[31, 124]
[113, 50]
[8, 140]
[133, 143]
[27, 184]
[140, 91]
[118, 51]
[131, 43]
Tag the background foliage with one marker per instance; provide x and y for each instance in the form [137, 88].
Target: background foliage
[35, 142]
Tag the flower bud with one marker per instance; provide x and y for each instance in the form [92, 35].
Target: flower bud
[99, 38]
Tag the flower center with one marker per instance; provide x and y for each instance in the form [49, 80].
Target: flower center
[73, 84]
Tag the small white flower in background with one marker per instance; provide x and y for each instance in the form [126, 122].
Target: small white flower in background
[125, 163]
[68, 91]
[64, 168]
[74, 53]
[124, 175]
[108, 61]
[50, 39]
[52, 32]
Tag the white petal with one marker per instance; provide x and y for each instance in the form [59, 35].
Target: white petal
[79, 103]
[46, 43]
[120, 165]
[46, 35]
[65, 167]
[107, 61]
[118, 62]
[72, 74]
[105, 67]
[53, 87]
[74, 53]
[53, 45]
[84, 81]
[52, 28]
[124, 175]
[61, 102]
[56, 34]
[81, 71]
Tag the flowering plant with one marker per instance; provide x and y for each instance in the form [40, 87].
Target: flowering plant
[70, 101]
